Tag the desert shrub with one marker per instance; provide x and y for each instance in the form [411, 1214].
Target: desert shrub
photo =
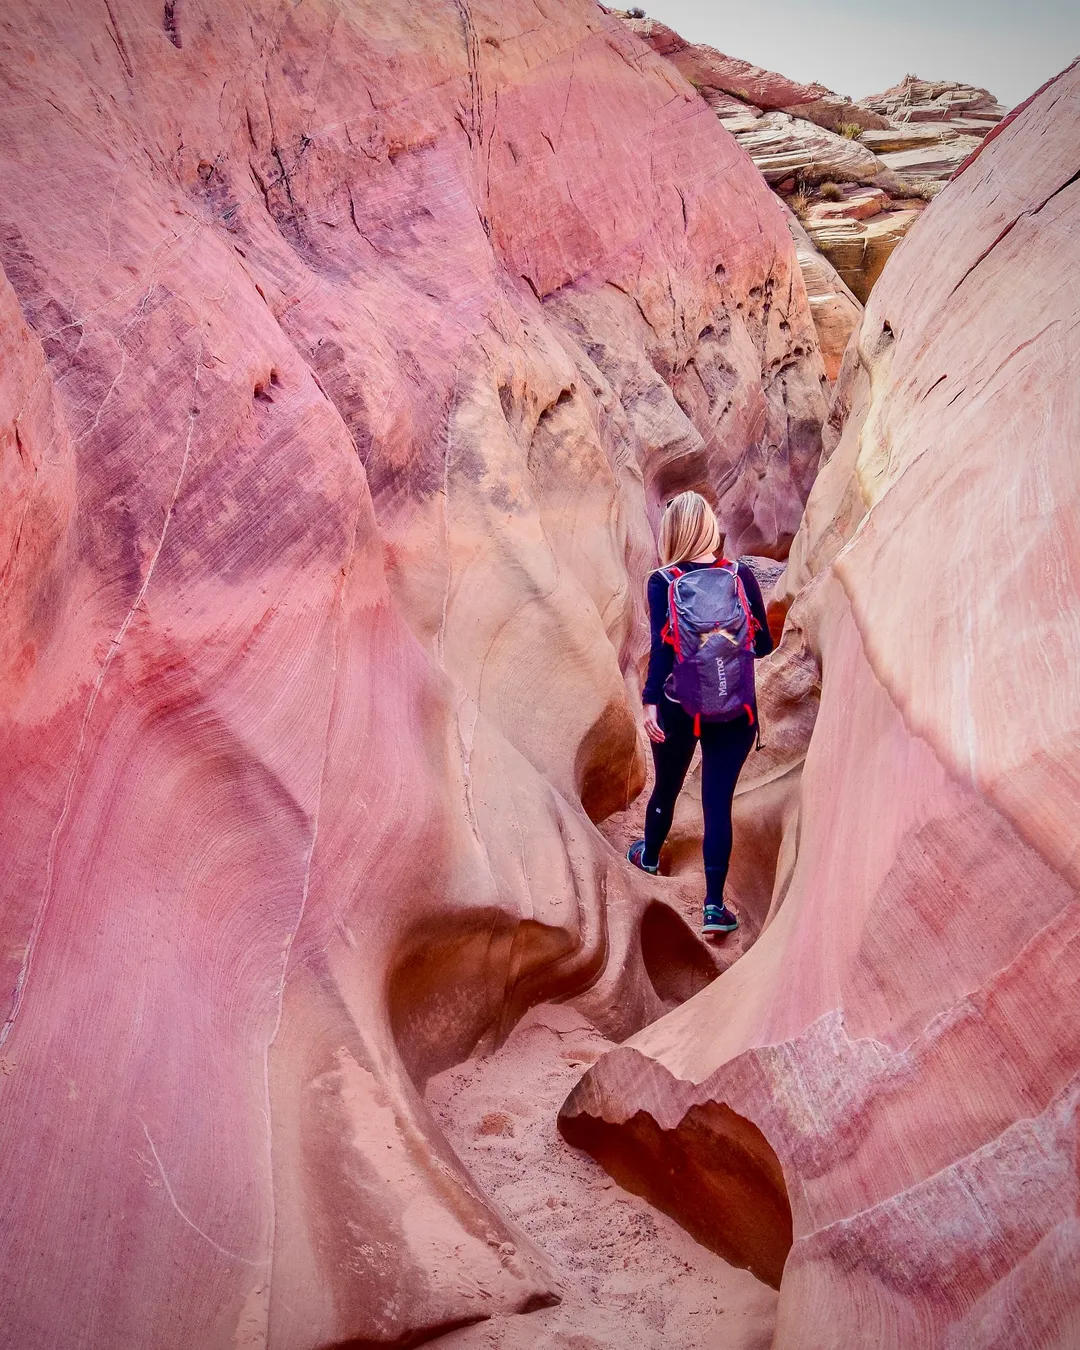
[798, 201]
[850, 130]
[636, 13]
[926, 189]
[831, 192]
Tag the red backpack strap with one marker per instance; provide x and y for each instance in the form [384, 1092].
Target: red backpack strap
[670, 631]
[752, 625]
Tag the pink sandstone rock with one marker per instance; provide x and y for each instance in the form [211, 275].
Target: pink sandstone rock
[347, 354]
[834, 306]
[792, 133]
[877, 1105]
[859, 249]
[708, 69]
[855, 204]
[915, 100]
[711, 69]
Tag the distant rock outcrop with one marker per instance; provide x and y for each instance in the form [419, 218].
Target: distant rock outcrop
[878, 1106]
[786, 148]
[915, 100]
[858, 232]
[934, 125]
[817, 148]
[708, 69]
[347, 356]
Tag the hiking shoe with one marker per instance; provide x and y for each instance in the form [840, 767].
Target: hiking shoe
[636, 854]
[719, 919]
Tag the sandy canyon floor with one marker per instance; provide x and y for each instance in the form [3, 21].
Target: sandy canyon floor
[630, 1276]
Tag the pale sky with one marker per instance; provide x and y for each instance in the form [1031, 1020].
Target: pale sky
[861, 47]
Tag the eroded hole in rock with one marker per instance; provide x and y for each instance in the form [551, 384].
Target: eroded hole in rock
[466, 979]
[688, 470]
[565, 397]
[715, 1172]
[608, 767]
[677, 962]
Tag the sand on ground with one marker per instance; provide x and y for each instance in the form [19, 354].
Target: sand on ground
[631, 1278]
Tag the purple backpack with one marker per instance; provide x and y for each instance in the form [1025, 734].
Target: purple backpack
[712, 630]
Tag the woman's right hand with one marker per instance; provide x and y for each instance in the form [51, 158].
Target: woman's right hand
[653, 729]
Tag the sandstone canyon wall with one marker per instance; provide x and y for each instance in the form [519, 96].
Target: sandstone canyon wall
[877, 1106]
[348, 352]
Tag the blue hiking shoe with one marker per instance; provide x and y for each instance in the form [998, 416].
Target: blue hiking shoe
[636, 854]
[719, 919]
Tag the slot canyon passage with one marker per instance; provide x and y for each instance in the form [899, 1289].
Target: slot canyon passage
[348, 353]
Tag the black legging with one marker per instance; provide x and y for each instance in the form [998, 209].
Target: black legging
[724, 748]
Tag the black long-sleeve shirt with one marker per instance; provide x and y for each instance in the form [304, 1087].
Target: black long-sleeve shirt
[662, 654]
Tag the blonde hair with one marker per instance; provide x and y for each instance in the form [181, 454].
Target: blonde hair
[689, 528]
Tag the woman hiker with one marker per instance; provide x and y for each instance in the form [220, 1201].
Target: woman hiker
[706, 634]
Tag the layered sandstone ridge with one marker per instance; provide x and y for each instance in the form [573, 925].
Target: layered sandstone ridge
[962, 106]
[857, 174]
[347, 353]
[877, 1105]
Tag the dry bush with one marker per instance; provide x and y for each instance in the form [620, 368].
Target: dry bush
[831, 192]
[851, 131]
[926, 189]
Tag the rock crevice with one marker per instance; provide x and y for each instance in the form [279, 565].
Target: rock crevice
[928, 1140]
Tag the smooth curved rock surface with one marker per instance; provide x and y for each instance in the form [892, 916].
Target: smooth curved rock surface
[904, 1036]
[348, 352]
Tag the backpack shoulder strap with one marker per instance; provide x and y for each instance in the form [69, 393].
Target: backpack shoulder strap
[752, 625]
[670, 633]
